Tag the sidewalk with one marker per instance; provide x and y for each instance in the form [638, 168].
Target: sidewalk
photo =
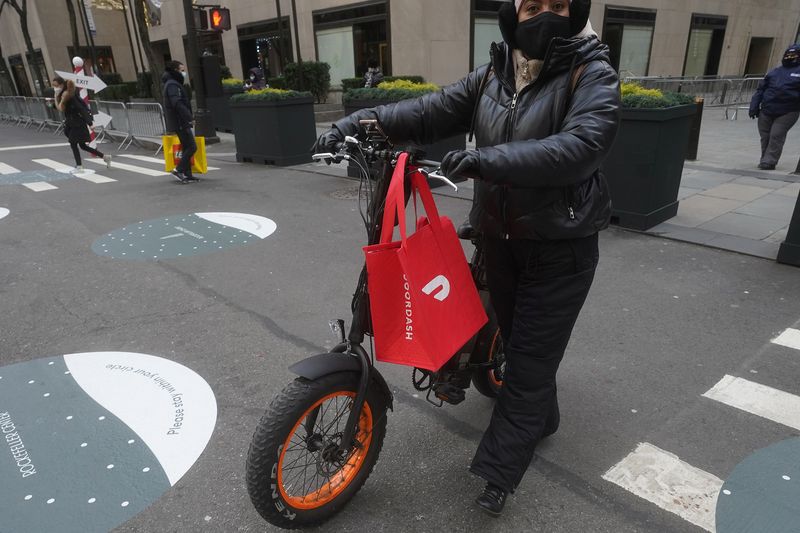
[725, 201]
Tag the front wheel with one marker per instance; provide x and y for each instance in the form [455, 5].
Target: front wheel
[296, 475]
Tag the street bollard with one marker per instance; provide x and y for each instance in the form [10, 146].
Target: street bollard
[694, 132]
[789, 253]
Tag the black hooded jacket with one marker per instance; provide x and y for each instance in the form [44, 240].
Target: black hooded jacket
[540, 150]
[177, 108]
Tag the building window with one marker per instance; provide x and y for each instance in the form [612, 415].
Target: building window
[348, 38]
[485, 30]
[19, 75]
[6, 85]
[266, 45]
[629, 35]
[704, 50]
[36, 63]
[758, 56]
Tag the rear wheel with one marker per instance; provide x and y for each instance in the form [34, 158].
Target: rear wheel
[296, 475]
[489, 349]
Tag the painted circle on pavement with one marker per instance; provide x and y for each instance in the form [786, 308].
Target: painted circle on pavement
[184, 236]
[91, 439]
[763, 492]
[3, 212]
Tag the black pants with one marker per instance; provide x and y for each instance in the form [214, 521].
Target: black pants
[537, 289]
[188, 148]
[773, 131]
[83, 146]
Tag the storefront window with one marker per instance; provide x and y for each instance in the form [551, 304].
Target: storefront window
[266, 45]
[347, 39]
[629, 36]
[105, 58]
[19, 75]
[485, 30]
[704, 50]
[6, 85]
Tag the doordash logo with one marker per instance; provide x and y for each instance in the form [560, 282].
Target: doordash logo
[409, 312]
[440, 285]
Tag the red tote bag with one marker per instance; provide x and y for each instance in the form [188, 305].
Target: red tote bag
[423, 300]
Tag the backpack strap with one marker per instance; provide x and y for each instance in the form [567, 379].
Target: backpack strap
[576, 76]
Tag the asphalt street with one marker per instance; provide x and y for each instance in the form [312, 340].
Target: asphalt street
[665, 322]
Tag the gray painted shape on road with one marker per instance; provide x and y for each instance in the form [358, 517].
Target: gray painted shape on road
[33, 176]
[71, 441]
[763, 492]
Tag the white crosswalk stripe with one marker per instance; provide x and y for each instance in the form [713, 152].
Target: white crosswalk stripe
[757, 399]
[131, 168]
[789, 338]
[95, 178]
[148, 159]
[7, 169]
[55, 165]
[40, 186]
[662, 478]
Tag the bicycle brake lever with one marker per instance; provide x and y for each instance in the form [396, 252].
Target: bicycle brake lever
[437, 176]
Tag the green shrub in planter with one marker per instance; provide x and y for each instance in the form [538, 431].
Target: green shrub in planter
[312, 76]
[273, 126]
[112, 78]
[232, 85]
[358, 83]
[645, 165]
[278, 83]
[225, 72]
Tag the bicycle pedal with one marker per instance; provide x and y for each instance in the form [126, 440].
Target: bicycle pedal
[447, 392]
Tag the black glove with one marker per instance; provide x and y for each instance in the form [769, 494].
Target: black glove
[465, 163]
[328, 141]
[753, 114]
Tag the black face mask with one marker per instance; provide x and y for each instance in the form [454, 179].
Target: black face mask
[791, 59]
[534, 35]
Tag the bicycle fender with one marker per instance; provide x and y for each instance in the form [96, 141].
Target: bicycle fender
[321, 365]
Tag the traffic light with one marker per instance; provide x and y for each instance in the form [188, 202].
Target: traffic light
[219, 19]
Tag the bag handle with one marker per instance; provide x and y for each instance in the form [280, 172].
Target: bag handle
[395, 208]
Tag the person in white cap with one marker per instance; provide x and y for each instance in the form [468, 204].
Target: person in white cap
[545, 112]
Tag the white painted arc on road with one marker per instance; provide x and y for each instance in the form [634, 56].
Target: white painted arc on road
[789, 338]
[94, 178]
[39, 186]
[55, 165]
[4, 212]
[7, 169]
[261, 227]
[131, 168]
[31, 147]
[141, 407]
[754, 398]
[661, 478]
[148, 159]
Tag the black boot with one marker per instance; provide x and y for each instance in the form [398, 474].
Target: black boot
[492, 500]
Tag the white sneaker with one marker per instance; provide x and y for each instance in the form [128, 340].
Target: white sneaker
[76, 170]
[107, 159]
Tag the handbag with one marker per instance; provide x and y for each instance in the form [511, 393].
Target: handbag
[173, 153]
[423, 301]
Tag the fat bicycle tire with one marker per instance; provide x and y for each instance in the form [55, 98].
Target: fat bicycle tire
[270, 475]
[488, 347]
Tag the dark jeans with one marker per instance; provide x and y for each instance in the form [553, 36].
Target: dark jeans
[537, 289]
[188, 148]
[83, 146]
[773, 131]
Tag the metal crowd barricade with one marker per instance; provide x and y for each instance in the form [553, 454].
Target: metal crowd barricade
[6, 108]
[23, 117]
[146, 121]
[119, 127]
[38, 112]
[54, 118]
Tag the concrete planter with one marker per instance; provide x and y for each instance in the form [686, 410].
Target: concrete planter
[221, 110]
[645, 165]
[277, 133]
[434, 151]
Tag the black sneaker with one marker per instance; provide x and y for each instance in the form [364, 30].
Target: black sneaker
[179, 176]
[192, 179]
[764, 166]
[492, 500]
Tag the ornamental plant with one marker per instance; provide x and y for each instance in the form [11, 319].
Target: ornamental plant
[391, 91]
[358, 83]
[637, 97]
[269, 95]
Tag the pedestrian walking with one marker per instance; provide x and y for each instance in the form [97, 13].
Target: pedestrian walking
[374, 75]
[545, 113]
[77, 121]
[178, 117]
[776, 105]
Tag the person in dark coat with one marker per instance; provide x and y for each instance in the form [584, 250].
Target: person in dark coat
[374, 75]
[178, 117]
[545, 113]
[77, 120]
[776, 104]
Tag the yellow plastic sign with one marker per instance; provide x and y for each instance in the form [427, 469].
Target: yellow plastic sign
[173, 152]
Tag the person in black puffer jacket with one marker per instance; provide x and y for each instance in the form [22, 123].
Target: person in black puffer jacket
[77, 120]
[178, 117]
[545, 112]
[776, 105]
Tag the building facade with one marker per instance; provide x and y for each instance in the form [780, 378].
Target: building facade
[440, 40]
